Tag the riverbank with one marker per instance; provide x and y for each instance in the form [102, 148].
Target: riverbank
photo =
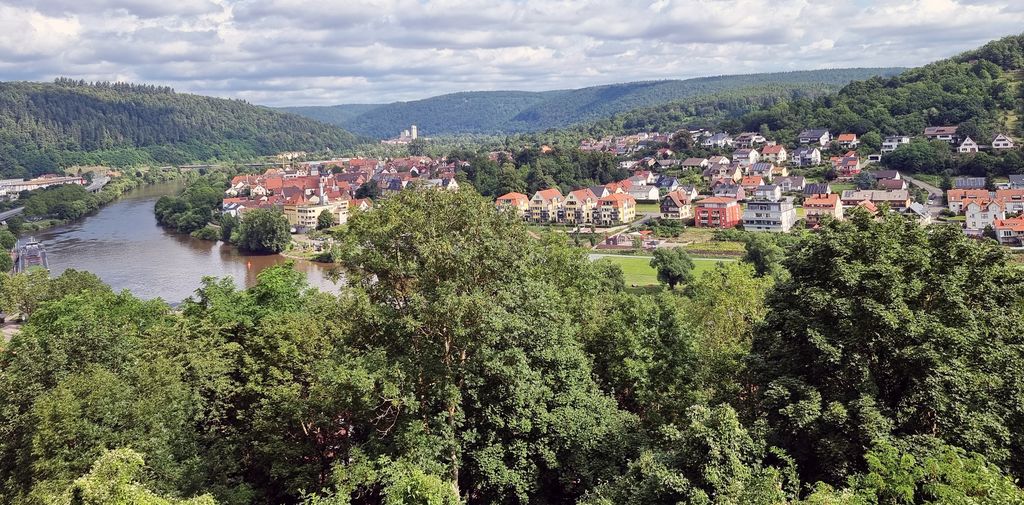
[117, 187]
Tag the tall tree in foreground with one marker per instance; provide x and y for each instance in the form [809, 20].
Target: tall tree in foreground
[264, 231]
[889, 329]
[484, 322]
[674, 266]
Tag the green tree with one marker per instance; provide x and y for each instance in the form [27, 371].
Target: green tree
[263, 231]
[674, 266]
[114, 480]
[890, 328]
[7, 239]
[763, 252]
[325, 220]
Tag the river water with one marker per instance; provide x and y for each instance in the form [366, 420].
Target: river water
[123, 245]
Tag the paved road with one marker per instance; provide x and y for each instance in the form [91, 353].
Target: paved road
[11, 213]
[594, 256]
[935, 195]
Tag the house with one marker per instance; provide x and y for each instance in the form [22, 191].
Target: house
[888, 184]
[517, 203]
[769, 215]
[817, 137]
[695, 163]
[967, 146]
[1016, 181]
[719, 160]
[765, 170]
[983, 213]
[615, 209]
[1001, 142]
[807, 156]
[727, 190]
[365, 204]
[644, 193]
[792, 183]
[751, 182]
[891, 143]
[578, 207]
[544, 205]
[817, 207]
[648, 176]
[943, 133]
[896, 199]
[667, 183]
[767, 192]
[817, 188]
[718, 140]
[600, 191]
[689, 190]
[774, 153]
[748, 139]
[1010, 231]
[1013, 200]
[732, 172]
[918, 212]
[969, 183]
[717, 212]
[847, 166]
[677, 205]
[746, 156]
[847, 140]
[956, 199]
[887, 174]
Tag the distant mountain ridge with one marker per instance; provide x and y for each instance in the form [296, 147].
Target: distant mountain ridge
[526, 111]
[47, 126]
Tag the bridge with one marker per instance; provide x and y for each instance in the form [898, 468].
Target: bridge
[11, 213]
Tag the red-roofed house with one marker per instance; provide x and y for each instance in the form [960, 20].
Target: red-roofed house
[817, 206]
[544, 205]
[677, 205]
[616, 209]
[848, 140]
[514, 202]
[578, 207]
[1010, 231]
[775, 154]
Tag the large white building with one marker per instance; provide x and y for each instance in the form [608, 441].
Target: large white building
[769, 215]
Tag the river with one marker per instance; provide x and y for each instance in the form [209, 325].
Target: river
[123, 245]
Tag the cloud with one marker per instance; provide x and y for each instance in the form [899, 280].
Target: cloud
[292, 52]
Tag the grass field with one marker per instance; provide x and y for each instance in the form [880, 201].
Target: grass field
[638, 271]
[647, 207]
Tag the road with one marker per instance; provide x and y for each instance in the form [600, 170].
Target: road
[934, 194]
[594, 256]
[97, 184]
[11, 213]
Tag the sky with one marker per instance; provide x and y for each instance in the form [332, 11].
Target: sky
[324, 52]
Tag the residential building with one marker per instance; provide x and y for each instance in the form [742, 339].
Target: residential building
[732, 172]
[578, 207]
[794, 183]
[767, 192]
[967, 146]
[745, 157]
[616, 209]
[517, 203]
[891, 143]
[695, 163]
[956, 199]
[718, 140]
[751, 182]
[817, 188]
[1010, 231]
[819, 137]
[762, 169]
[717, 212]
[689, 190]
[600, 191]
[667, 183]
[1016, 181]
[1013, 200]
[896, 199]
[818, 206]
[847, 166]
[677, 205]
[983, 213]
[769, 215]
[848, 140]
[748, 139]
[729, 190]
[719, 160]
[807, 156]
[891, 184]
[774, 153]
[1001, 142]
[305, 215]
[544, 205]
[644, 193]
[943, 133]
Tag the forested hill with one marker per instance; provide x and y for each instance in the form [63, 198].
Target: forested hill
[979, 91]
[520, 111]
[46, 126]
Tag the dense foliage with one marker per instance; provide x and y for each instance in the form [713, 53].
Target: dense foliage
[465, 361]
[519, 111]
[262, 231]
[194, 208]
[44, 127]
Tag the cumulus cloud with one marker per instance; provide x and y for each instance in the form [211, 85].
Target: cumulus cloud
[294, 52]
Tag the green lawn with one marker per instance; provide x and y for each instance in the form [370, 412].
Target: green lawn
[638, 271]
[839, 187]
[648, 207]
